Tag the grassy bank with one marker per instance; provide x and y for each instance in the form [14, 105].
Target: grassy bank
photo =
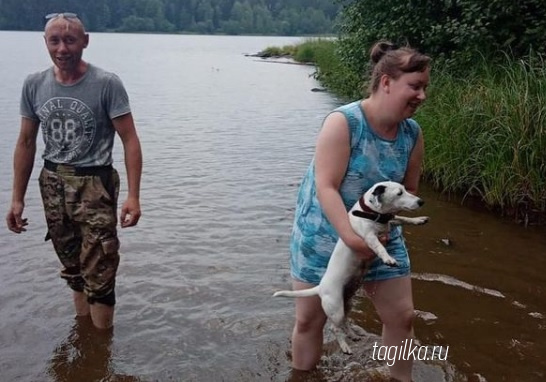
[305, 52]
[330, 71]
[485, 133]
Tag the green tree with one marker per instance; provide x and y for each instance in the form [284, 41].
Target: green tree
[313, 22]
[137, 24]
[97, 17]
[243, 14]
[289, 21]
[263, 20]
[454, 32]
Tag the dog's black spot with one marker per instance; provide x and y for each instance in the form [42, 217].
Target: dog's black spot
[379, 190]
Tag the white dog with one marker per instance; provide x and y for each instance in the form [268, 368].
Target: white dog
[369, 217]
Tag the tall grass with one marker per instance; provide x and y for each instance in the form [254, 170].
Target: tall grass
[304, 52]
[334, 74]
[485, 134]
[276, 51]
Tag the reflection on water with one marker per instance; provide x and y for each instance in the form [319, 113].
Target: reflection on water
[448, 280]
[85, 356]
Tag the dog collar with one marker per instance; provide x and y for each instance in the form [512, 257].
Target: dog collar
[367, 213]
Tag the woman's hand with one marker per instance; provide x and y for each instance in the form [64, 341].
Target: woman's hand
[360, 247]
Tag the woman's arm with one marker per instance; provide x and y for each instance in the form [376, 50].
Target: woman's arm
[331, 160]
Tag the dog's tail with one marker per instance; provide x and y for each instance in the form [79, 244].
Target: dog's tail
[298, 293]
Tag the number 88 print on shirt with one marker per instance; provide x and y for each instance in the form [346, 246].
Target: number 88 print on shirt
[76, 119]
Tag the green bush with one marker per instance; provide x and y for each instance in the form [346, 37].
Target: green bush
[451, 31]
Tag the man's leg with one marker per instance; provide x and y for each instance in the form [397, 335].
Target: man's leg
[99, 255]
[102, 315]
[64, 235]
[81, 304]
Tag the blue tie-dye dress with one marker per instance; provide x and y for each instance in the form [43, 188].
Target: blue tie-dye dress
[373, 159]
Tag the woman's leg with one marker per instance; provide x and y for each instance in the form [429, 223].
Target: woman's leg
[393, 302]
[307, 335]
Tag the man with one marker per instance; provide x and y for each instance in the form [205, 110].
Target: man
[79, 108]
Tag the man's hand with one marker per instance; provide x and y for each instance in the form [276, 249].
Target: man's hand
[130, 213]
[14, 218]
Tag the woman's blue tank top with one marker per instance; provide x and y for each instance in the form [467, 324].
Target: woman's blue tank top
[372, 159]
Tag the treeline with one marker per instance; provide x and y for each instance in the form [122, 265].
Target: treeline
[264, 17]
[457, 33]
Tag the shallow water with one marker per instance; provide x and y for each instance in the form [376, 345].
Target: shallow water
[226, 139]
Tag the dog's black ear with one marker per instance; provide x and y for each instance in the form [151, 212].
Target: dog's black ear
[379, 190]
[375, 198]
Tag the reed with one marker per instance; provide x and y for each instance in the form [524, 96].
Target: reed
[305, 52]
[277, 51]
[485, 134]
[311, 49]
[332, 72]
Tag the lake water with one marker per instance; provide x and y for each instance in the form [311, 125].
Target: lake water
[226, 139]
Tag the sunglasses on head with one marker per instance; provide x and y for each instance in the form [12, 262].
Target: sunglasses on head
[66, 15]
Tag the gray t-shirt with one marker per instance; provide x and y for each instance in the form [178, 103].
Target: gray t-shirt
[76, 119]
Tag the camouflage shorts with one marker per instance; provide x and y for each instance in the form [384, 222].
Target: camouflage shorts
[81, 219]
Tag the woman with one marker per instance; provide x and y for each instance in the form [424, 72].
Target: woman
[361, 143]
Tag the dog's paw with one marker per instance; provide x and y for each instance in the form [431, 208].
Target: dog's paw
[390, 261]
[345, 348]
[355, 332]
[421, 220]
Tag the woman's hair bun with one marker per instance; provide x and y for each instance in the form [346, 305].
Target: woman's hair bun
[380, 48]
